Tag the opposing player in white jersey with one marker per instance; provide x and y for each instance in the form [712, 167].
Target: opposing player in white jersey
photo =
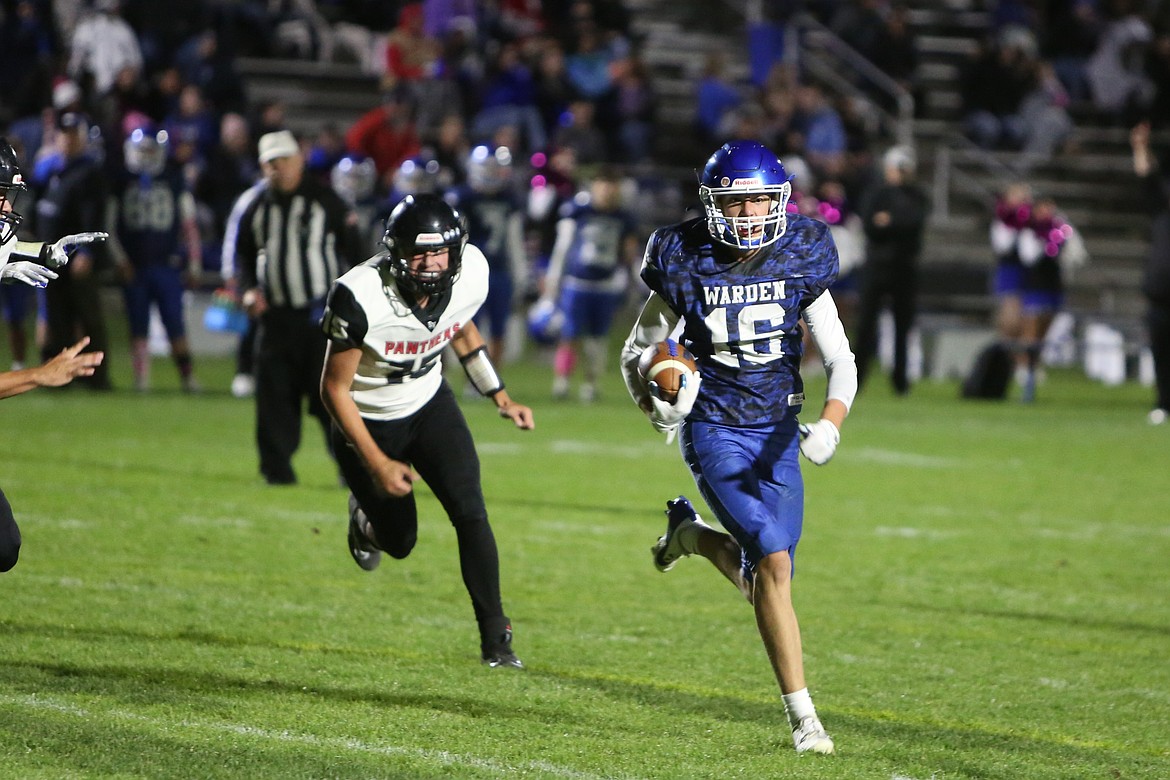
[395, 418]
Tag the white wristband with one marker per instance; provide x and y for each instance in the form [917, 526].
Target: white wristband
[481, 372]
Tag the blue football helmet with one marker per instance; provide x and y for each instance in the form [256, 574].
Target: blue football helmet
[545, 321]
[145, 151]
[489, 170]
[11, 184]
[743, 168]
[417, 176]
[354, 178]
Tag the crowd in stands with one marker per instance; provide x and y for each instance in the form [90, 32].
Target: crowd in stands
[1046, 66]
[513, 73]
[563, 85]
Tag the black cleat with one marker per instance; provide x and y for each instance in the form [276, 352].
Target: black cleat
[503, 658]
[365, 553]
[500, 655]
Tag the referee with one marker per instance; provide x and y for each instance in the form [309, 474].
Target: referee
[294, 240]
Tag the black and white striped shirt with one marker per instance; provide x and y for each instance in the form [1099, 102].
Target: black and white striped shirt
[294, 245]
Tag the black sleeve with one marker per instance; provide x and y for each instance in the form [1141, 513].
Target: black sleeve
[246, 249]
[345, 227]
[92, 214]
[344, 321]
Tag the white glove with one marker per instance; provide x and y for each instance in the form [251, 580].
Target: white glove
[32, 274]
[818, 441]
[59, 250]
[666, 417]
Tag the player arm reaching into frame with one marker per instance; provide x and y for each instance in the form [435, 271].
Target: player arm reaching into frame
[472, 351]
[819, 439]
[36, 270]
[69, 364]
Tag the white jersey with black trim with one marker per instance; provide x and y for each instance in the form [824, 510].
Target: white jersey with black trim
[400, 368]
[15, 251]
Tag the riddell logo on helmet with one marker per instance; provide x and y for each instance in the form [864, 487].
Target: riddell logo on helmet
[436, 239]
[744, 182]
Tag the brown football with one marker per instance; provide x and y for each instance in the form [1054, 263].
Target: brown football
[664, 364]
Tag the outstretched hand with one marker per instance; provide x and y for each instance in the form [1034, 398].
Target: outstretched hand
[32, 274]
[69, 364]
[59, 251]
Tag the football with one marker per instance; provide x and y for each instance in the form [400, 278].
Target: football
[664, 364]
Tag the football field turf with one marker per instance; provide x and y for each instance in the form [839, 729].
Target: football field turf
[983, 592]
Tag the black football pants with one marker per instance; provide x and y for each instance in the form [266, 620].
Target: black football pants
[437, 442]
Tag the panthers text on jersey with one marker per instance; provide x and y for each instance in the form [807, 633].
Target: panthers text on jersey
[742, 319]
[400, 368]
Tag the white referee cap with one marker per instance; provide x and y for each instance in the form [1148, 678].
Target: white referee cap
[279, 144]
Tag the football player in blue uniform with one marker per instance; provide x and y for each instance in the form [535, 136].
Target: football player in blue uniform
[153, 219]
[388, 321]
[355, 178]
[733, 287]
[495, 224]
[588, 274]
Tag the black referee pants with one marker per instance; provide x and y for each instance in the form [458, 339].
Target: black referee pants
[897, 283]
[1158, 321]
[437, 442]
[290, 354]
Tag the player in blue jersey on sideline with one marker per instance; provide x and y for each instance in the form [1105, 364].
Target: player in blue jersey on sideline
[154, 230]
[589, 271]
[495, 224]
[733, 286]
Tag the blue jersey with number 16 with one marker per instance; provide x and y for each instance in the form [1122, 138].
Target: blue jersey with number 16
[742, 319]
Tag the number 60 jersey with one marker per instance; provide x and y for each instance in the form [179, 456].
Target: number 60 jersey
[401, 345]
[742, 318]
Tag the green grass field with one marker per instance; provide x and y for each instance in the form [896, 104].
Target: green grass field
[982, 588]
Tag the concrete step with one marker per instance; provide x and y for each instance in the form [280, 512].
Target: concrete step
[948, 20]
[946, 45]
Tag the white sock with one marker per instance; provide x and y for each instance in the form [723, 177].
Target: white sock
[688, 535]
[798, 705]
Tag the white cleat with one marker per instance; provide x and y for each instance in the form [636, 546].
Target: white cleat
[809, 736]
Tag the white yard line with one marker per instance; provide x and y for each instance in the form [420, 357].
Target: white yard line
[439, 757]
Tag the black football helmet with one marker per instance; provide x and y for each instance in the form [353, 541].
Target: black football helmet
[11, 183]
[422, 223]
